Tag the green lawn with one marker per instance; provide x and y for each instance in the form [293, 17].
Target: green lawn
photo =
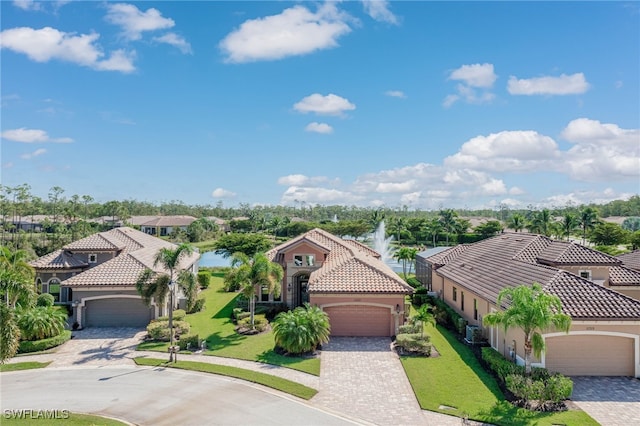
[36, 418]
[214, 324]
[273, 382]
[23, 366]
[454, 383]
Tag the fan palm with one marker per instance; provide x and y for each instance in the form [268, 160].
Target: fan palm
[301, 330]
[9, 333]
[41, 322]
[531, 310]
[251, 273]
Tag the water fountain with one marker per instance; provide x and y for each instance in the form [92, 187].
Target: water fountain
[335, 218]
[382, 244]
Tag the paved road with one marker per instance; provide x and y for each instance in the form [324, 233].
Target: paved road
[157, 396]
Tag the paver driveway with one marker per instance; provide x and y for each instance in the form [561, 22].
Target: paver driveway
[612, 401]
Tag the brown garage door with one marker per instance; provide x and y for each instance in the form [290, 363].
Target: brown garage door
[359, 320]
[117, 312]
[590, 355]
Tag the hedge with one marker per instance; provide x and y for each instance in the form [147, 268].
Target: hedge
[27, 346]
[159, 330]
[414, 343]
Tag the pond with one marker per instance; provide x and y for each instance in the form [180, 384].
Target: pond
[210, 259]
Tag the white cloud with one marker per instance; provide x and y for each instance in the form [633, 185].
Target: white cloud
[324, 105]
[27, 4]
[516, 191]
[515, 151]
[175, 40]
[475, 75]
[134, 22]
[476, 80]
[222, 193]
[379, 10]
[35, 153]
[48, 43]
[302, 180]
[395, 94]
[574, 84]
[319, 128]
[315, 195]
[410, 198]
[601, 151]
[31, 136]
[295, 31]
[396, 186]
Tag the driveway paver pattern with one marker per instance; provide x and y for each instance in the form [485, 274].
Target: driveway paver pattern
[612, 401]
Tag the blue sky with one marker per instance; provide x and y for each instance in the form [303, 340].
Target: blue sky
[419, 104]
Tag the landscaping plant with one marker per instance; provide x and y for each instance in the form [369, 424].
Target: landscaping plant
[301, 330]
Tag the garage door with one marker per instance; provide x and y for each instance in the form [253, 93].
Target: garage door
[117, 312]
[590, 355]
[359, 320]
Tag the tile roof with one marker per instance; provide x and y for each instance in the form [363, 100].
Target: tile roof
[508, 260]
[569, 253]
[441, 257]
[350, 267]
[177, 220]
[137, 252]
[59, 259]
[631, 260]
[619, 275]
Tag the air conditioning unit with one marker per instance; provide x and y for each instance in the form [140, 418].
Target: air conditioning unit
[470, 333]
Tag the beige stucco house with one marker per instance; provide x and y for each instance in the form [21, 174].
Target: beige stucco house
[594, 288]
[346, 279]
[96, 276]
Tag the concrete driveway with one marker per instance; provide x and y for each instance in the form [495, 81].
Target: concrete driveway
[612, 401]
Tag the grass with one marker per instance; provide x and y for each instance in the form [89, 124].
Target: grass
[455, 383]
[37, 418]
[273, 382]
[23, 366]
[215, 326]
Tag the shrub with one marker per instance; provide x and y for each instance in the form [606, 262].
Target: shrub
[413, 282]
[159, 330]
[204, 279]
[243, 315]
[420, 296]
[414, 343]
[558, 388]
[41, 322]
[197, 306]
[409, 328]
[446, 316]
[189, 342]
[44, 344]
[260, 322]
[301, 330]
[45, 300]
[178, 315]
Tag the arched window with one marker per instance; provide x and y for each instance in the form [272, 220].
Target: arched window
[54, 288]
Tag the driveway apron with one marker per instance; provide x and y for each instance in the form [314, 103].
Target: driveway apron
[612, 401]
[363, 377]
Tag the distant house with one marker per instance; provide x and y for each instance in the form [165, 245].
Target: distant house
[596, 290]
[346, 279]
[630, 260]
[161, 226]
[96, 276]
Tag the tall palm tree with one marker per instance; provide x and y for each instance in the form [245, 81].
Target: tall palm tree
[407, 256]
[448, 221]
[516, 222]
[569, 224]
[251, 274]
[588, 221]
[540, 222]
[153, 285]
[16, 277]
[531, 310]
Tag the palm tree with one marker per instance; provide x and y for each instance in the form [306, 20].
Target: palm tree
[251, 274]
[516, 222]
[531, 310]
[153, 285]
[448, 221]
[16, 277]
[41, 322]
[588, 221]
[423, 315]
[433, 227]
[407, 256]
[9, 333]
[540, 222]
[301, 330]
[569, 224]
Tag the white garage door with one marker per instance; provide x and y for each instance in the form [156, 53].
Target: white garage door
[590, 355]
[359, 320]
[117, 312]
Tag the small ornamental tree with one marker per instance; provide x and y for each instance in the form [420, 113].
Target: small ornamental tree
[41, 322]
[532, 310]
[9, 333]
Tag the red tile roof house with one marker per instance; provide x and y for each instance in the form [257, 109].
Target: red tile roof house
[604, 339]
[161, 226]
[346, 279]
[97, 274]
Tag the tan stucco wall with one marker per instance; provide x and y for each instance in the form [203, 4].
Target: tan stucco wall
[598, 273]
[628, 291]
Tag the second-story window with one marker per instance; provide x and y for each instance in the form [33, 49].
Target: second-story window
[93, 258]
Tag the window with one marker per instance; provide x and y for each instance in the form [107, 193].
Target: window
[310, 260]
[54, 289]
[585, 274]
[93, 258]
[264, 296]
[297, 259]
[455, 294]
[462, 300]
[475, 309]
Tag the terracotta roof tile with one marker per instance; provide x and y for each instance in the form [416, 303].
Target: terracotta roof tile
[59, 259]
[619, 275]
[567, 253]
[350, 267]
[631, 260]
[177, 220]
